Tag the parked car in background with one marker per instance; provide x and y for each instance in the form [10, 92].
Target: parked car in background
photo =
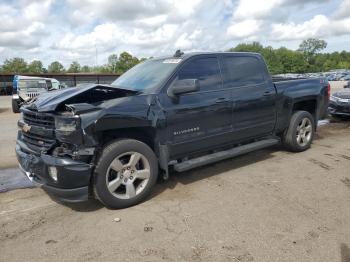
[28, 87]
[345, 78]
[339, 104]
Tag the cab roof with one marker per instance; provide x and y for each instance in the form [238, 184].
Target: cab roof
[191, 54]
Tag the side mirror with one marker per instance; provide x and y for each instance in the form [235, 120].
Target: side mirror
[183, 86]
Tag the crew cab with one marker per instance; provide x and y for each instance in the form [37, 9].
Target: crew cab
[111, 142]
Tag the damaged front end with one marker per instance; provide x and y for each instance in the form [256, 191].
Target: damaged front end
[50, 151]
[56, 142]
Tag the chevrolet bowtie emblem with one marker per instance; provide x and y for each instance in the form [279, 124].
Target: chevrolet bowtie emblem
[26, 128]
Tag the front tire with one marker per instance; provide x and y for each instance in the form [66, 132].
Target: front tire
[300, 133]
[125, 174]
[15, 106]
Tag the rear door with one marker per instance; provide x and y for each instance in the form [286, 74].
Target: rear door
[198, 121]
[254, 96]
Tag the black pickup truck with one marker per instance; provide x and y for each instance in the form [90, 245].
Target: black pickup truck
[112, 141]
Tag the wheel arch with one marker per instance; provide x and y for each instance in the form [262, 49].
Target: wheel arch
[144, 134]
[309, 105]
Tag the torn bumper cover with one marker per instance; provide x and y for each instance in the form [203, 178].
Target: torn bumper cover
[73, 177]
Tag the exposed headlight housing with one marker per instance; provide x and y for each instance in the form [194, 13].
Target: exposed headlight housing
[67, 124]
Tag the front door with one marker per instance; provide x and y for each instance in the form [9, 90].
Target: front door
[197, 121]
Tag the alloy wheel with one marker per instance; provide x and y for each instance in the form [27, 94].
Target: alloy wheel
[304, 132]
[128, 175]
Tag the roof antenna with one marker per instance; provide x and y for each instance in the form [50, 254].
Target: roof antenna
[178, 53]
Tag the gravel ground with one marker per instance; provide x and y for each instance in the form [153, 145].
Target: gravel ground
[269, 205]
[8, 133]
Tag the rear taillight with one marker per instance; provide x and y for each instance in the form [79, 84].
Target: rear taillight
[329, 90]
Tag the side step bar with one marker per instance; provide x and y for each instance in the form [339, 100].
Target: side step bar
[218, 156]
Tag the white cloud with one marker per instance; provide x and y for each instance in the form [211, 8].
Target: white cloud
[37, 10]
[343, 10]
[252, 9]
[318, 26]
[152, 22]
[69, 30]
[243, 29]
[186, 41]
[23, 28]
[311, 28]
[340, 27]
[121, 9]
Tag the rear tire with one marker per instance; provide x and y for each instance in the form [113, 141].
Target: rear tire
[15, 106]
[125, 174]
[300, 133]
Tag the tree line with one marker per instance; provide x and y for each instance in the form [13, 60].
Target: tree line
[115, 64]
[308, 58]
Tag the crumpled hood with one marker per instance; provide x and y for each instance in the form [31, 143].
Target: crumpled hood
[88, 94]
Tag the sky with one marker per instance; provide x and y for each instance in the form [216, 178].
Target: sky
[88, 31]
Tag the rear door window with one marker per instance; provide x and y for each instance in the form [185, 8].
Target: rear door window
[242, 71]
[205, 69]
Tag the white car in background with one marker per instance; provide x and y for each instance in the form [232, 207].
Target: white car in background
[28, 87]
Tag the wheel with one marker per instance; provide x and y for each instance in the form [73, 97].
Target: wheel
[300, 133]
[125, 174]
[15, 106]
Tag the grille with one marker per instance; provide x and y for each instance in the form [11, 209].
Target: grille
[38, 143]
[38, 119]
[42, 142]
[31, 95]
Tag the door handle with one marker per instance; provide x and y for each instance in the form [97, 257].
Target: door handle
[221, 99]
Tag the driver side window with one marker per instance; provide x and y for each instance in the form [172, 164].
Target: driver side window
[206, 70]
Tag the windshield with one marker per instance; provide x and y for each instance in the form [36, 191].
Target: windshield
[29, 84]
[147, 75]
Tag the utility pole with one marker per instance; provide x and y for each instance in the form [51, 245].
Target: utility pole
[96, 55]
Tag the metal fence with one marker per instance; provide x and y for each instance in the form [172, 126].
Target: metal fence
[69, 79]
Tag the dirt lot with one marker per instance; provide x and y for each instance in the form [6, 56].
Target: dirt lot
[270, 205]
[8, 133]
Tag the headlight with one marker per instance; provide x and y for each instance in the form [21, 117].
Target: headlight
[333, 99]
[67, 124]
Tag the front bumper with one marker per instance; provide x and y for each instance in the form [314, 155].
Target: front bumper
[341, 109]
[73, 177]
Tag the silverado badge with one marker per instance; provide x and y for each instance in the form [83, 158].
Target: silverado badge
[26, 128]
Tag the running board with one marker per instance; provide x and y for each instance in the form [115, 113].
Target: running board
[218, 156]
